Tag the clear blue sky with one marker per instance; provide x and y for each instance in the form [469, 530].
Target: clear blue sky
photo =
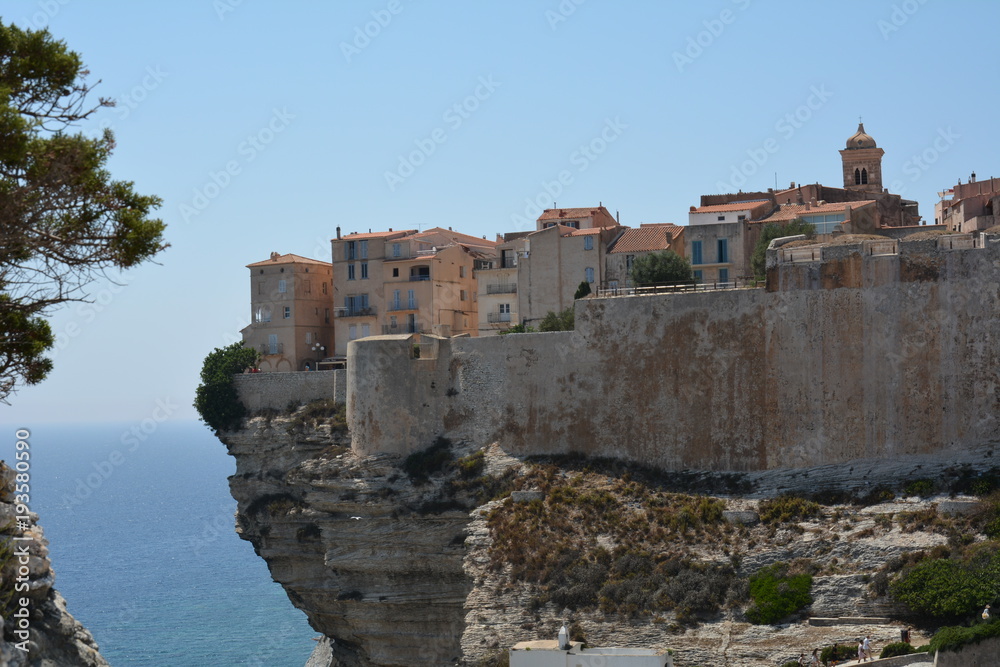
[308, 115]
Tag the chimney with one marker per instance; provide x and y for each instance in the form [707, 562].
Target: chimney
[338, 232]
[390, 229]
[618, 217]
[274, 257]
[807, 205]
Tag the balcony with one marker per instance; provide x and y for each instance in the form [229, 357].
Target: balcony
[266, 348]
[502, 288]
[414, 279]
[403, 305]
[388, 329]
[354, 312]
[494, 318]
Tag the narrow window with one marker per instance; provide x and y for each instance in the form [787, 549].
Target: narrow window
[723, 275]
[307, 287]
[395, 272]
[589, 273]
[326, 315]
[588, 242]
[396, 251]
[696, 252]
[288, 312]
[864, 177]
[366, 330]
[282, 287]
[857, 177]
[461, 295]
[352, 331]
[364, 250]
[395, 299]
[364, 270]
[324, 287]
[272, 344]
[722, 251]
[350, 272]
[461, 272]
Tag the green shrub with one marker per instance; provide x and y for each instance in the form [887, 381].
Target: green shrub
[421, 465]
[322, 410]
[472, 465]
[777, 594]
[216, 399]
[786, 508]
[838, 652]
[897, 648]
[955, 637]
[920, 487]
[949, 588]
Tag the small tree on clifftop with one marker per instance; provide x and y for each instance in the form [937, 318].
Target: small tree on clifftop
[771, 231]
[215, 398]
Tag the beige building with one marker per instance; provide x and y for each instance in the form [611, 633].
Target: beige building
[291, 312]
[406, 282]
[634, 242]
[497, 286]
[970, 207]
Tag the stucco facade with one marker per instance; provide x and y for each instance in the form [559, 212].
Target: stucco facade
[290, 312]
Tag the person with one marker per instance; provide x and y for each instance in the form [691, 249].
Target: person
[904, 635]
[835, 658]
[802, 660]
[815, 659]
[861, 651]
[986, 613]
[866, 646]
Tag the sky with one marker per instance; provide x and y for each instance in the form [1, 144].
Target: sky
[264, 126]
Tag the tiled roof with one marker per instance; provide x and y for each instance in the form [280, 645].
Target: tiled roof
[457, 237]
[288, 259]
[734, 206]
[585, 232]
[562, 213]
[647, 238]
[792, 211]
[377, 235]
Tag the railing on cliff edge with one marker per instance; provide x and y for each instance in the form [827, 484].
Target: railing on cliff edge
[691, 286]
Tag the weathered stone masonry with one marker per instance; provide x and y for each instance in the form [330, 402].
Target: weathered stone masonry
[859, 353]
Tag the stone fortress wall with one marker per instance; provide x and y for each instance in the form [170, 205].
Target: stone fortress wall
[873, 351]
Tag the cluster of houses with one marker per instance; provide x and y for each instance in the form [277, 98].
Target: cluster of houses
[443, 282]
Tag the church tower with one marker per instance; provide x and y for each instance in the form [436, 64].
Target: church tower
[862, 163]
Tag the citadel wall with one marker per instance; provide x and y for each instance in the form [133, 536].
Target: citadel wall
[857, 352]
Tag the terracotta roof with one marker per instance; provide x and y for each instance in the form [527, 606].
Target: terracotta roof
[792, 211]
[735, 206]
[354, 236]
[647, 238]
[584, 232]
[288, 259]
[561, 213]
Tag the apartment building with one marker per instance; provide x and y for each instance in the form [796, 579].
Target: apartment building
[291, 322]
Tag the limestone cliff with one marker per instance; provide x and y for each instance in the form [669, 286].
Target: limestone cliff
[395, 567]
[54, 638]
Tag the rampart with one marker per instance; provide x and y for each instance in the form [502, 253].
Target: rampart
[275, 391]
[853, 352]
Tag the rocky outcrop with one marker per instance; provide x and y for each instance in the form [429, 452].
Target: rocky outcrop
[38, 630]
[395, 570]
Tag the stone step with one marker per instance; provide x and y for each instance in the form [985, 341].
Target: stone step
[850, 620]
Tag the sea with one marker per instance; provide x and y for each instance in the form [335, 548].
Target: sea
[141, 536]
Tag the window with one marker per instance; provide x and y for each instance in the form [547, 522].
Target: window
[288, 312]
[326, 315]
[309, 338]
[504, 312]
[411, 299]
[395, 299]
[307, 287]
[397, 251]
[461, 295]
[461, 272]
[260, 287]
[366, 330]
[588, 242]
[356, 305]
[696, 252]
[575, 224]
[350, 252]
[697, 276]
[324, 287]
[589, 273]
[263, 314]
[857, 177]
[864, 177]
[364, 270]
[392, 322]
[741, 218]
[629, 260]
[282, 287]
[722, 251]
[395, 272]
[272, 344]
[352, 332]
[723, 275]
[350, 272]
[721, 218]
[364, 249]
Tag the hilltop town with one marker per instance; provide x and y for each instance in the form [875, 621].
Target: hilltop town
[304, 311]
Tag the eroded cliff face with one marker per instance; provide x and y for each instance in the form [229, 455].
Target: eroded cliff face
[53, 637]
[373, 560]
[395, 571]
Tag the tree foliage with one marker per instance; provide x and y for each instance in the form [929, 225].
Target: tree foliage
[64, 221]
[516, 329]
[582, 290]
[564, 320]
[951, 588]
[215, 398]
[771, 231]
[660, 268]
[776, 594]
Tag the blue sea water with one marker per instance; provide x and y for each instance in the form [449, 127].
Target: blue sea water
[141, 532]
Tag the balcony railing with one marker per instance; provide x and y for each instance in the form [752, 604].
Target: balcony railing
[502, 288]
[388, 329]
[354, 312]
[403, 305]
[494, 318]
[265, 348]
[414, 279]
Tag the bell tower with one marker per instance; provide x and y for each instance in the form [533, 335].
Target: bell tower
[862, 161]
